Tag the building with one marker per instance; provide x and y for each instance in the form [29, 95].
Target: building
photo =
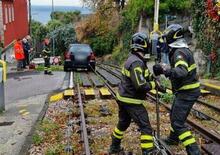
[14, 24]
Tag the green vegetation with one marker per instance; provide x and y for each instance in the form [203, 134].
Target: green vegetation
[53, 68]
[37, 139]
[110, 28]
[48, 126]
[167, 98]
[61, 28]
[55, 149]
[207, 33]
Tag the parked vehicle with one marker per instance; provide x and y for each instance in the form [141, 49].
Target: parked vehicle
[79, 56]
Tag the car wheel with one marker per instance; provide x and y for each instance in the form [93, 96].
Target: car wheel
[91, 68]
[66, 69]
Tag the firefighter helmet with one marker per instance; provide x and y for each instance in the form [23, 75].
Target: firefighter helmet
[173, 33]
[140, 42]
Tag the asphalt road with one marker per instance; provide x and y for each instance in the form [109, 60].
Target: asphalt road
[29, 84]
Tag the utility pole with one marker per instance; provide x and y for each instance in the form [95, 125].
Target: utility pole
[53, 42]
[156, 15]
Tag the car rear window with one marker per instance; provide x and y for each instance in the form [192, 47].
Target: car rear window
[80, 48]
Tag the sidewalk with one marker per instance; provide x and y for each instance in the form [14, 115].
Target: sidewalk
[23, 115]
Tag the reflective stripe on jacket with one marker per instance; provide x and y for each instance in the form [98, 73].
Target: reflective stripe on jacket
[183, 73]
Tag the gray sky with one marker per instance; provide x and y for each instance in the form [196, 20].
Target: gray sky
[57, 2]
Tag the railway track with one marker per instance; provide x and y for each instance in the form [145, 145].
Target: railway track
[211, 143]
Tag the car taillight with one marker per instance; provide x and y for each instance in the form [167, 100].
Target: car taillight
[92, 56]
[67, 55]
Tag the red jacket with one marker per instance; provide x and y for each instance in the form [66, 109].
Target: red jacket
[19, 52]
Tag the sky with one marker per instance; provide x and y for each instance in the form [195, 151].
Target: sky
[57, 2]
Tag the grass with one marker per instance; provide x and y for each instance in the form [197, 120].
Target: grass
[53, 68]
[55, 149]
[48, 126]
[167, 98]
[37, 139]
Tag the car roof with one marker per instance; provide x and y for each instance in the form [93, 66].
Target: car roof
[71, 45]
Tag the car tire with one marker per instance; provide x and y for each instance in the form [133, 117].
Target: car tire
[91, 68]
[66, 69]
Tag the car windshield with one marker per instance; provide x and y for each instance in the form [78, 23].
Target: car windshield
[80, 48]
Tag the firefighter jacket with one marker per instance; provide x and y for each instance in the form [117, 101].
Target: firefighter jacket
[136, 81]
[183, 73]
[46, 52]
[18, 50]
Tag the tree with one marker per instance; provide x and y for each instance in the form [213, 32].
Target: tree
[64, 36]
[66, 17]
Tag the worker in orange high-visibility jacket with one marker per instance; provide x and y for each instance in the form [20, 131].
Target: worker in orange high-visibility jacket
[19, 54]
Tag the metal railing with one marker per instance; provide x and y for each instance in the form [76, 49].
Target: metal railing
[2, 84]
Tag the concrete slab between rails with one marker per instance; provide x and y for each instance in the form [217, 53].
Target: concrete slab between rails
[22, 115]
[89, 93]
[104, 93]
[68, 93]
[211, 85]
[56, 97]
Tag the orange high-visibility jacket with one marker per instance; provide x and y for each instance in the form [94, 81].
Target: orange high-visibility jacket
[19, 52]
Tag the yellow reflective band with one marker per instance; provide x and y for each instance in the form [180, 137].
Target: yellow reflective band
[129, 100]
[126, 72]
[147, 145]
[146, 73]
[153, 84]
[190, 86]
[192, 67]
[184, 135]
[189, 141]
[181, 62]
[171, 129]
[146, 137]
[138, 69]
[117, 136]
[118, 131]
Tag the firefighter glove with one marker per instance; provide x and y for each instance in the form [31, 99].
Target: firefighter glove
[158, 70]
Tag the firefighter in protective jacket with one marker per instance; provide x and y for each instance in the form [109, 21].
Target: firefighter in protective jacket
[46, 54]
[185, 85]
[135, 83]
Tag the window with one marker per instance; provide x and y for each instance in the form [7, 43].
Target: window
[6, 14]
[12, 12]
[9, 14]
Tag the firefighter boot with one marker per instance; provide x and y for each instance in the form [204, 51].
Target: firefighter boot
[115, 146]
[172, 139]
[193, 149]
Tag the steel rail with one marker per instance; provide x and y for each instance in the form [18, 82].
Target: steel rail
[208, 105]
[83, 122]
[199, 128]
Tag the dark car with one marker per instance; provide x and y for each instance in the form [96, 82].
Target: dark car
[79, 56]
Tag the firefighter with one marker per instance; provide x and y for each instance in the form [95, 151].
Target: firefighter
[46, 55]
[135, 83]
[185, 85]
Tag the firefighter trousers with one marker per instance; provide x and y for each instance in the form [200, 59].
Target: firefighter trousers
[139, 115]
[183, 103]
[47, 68]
